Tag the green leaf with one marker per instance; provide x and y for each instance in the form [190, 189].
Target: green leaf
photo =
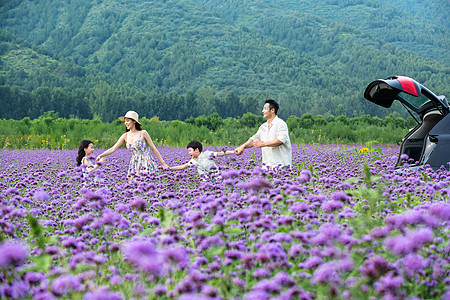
[216, 251]
[147, 231]
[233, 230]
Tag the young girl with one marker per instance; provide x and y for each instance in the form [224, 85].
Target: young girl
[85, 158]
[140, 144]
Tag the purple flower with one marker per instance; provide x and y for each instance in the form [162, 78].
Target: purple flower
[194, 216]
[65, 284]
[340, 196]
[375, 267]
[190, 296]
[143, 254]
[257, 295]
[159, 290]
[261, 272]
[41, 196]
[139, 204]
[267, 285]
[330, 206]
[12, 190]
[254, 184]
[412, 263]
[304, 177]
[295, 250]
[116, 279]
[82, 221]
[400, 221]
[33, 277]
[176, 255]
[327, 233]
[412, 242]
[209, 291]
[12, 253]
[389, 284]
[282, 278]
[233, 254]
[230, 174]
[298, 207]
[311, 262]
[109, 217]
[70, 242]
[440, 210]
[44, 296]
[103, 295]
[380, 232]
[121, 208]
[325, 273]
[239, 282]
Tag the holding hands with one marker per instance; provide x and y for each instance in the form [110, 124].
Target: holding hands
[239, 150]
[250, 143]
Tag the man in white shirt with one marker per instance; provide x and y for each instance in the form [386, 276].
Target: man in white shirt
[272, 137]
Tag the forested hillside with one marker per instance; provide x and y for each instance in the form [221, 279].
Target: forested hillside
[181, 59]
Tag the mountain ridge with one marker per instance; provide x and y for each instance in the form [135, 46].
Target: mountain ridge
[252, 49]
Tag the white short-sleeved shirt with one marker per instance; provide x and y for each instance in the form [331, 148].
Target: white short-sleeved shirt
[274, 156]
[203, 162]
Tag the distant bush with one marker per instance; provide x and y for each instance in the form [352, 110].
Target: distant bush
[50, 131]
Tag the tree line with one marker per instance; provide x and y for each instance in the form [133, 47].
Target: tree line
[52, 131]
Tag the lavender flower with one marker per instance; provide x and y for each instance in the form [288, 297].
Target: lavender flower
[12, 254]
[389, 284]
[65, 284]
[375, 267]
[412, 242]
[102, 295]
[144, 256]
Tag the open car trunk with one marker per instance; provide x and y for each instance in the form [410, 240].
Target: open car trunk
[414, 142]
[429, 141]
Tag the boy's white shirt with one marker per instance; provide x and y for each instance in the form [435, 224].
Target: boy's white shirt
[203, 162]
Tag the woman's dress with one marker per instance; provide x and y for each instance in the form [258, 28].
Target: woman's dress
[141, 159]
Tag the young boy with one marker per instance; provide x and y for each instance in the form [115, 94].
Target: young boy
[202, 160]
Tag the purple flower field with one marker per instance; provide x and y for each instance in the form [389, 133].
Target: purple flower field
[340, 224]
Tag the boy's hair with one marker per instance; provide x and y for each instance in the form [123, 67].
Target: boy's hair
[195, 145]
[273, 104]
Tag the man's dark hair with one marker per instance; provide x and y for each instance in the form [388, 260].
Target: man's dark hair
[195, 145]
[273, 104]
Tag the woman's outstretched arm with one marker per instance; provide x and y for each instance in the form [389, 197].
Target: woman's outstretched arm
[152, 146]
[116, 146]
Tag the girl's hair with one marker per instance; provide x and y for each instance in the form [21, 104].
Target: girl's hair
[137, 125]
[81, 153]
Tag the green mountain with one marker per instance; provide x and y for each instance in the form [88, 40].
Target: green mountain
[177, 59]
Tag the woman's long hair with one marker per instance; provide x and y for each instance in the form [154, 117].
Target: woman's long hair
[81, 153]
[136, 125]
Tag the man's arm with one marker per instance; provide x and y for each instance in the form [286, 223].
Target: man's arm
[248, 144]
[272, 143]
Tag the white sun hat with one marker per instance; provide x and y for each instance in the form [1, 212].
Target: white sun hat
[131, 115]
